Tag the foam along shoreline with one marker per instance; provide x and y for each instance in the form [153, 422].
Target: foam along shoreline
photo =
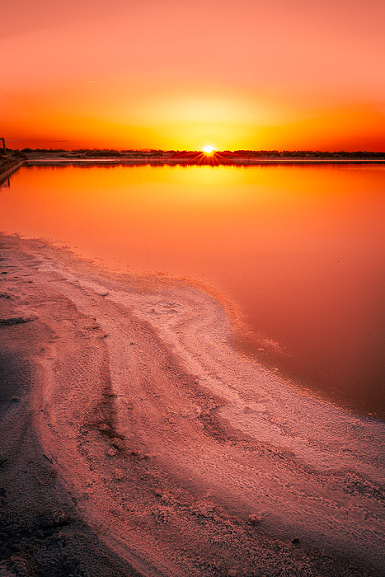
[184, 457]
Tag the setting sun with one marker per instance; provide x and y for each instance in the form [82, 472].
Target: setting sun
[208, 149]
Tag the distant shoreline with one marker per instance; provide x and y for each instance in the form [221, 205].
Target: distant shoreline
[161, 162]
[172, 157]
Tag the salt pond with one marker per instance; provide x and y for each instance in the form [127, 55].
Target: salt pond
[300, 248]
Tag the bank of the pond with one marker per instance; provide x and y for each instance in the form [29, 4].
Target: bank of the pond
[9, 166]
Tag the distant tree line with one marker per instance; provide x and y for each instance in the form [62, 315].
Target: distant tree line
[43, 150]
[313, 154]
[262, 154]
[96, 152]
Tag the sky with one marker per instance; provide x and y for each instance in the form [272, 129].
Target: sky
[172, 74]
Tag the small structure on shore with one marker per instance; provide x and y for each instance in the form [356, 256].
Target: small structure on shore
[3, 150]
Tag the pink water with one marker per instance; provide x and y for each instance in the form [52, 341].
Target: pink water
[300, 248]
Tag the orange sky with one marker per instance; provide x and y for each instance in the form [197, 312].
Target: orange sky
[288, 74]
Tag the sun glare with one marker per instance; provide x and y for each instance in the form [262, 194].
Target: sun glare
[208, 149]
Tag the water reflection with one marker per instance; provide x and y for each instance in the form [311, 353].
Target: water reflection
[301, 248]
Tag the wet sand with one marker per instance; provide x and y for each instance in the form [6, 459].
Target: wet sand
[138, 441]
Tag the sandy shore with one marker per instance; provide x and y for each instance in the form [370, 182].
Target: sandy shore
[137, 441]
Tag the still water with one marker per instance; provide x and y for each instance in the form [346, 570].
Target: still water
[301, 249]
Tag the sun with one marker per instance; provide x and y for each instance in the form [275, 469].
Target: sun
[208, 149]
